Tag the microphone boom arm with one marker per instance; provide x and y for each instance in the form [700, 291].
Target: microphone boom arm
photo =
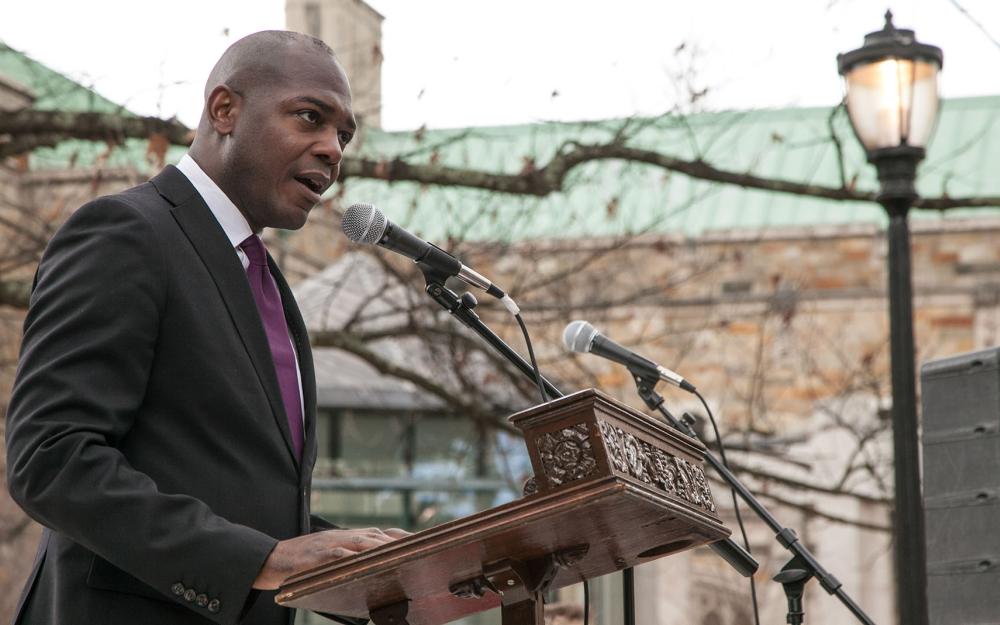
[459, 309]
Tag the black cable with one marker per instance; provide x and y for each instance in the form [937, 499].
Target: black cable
[541, 390]
[531, 356]
[736, 504]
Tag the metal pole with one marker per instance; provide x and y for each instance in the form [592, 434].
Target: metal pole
[908, 521]
[628, 596]
[897, 172]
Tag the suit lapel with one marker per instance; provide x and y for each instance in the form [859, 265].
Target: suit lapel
[210, 242]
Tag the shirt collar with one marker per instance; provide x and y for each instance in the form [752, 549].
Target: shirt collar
[229, 217]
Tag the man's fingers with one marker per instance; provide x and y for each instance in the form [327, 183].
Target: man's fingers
[392, 533]
[358, 542]
[397, 533]
[340, 552]
[305, 552]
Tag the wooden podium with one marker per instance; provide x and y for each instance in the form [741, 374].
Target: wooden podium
[613, 488]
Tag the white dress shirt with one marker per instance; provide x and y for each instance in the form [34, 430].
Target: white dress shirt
[235, 226]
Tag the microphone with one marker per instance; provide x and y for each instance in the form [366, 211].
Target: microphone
[363, 223]
[581, 337]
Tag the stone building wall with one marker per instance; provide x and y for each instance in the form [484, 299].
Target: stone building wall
[807, 305]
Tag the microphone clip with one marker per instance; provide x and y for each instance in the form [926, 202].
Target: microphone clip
[645, 382]
[432, 273]
[445, 297]
[434, 276]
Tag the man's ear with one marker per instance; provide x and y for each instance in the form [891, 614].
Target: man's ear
[223, 107]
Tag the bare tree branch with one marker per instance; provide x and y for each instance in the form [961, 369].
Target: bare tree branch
[812, 510]
[28, 129]
[975, 23]
[799, 484]
[350, 344]
[551, 177]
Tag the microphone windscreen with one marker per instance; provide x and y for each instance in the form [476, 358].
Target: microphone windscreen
[363, 223]
[579, 336]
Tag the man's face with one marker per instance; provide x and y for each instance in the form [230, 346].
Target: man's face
[288, 140]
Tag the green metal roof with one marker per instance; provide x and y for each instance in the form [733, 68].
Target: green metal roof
[610, 198]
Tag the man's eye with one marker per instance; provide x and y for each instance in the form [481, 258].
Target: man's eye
[310, 116]
[345, 137]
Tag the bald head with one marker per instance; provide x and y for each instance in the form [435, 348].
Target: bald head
[262, 60]
[260, 63]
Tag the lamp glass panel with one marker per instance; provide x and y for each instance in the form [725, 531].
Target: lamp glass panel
[893, 101]
[924, 109]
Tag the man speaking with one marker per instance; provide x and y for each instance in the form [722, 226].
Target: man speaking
[162, 423]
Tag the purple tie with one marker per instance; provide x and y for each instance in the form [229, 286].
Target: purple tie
[265, 292]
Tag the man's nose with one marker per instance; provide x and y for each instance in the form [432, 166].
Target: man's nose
[328, 148]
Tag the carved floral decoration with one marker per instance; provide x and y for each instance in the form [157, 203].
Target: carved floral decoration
[651, 465]
[566, 455]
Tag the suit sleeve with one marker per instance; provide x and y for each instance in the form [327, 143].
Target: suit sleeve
[89, 342]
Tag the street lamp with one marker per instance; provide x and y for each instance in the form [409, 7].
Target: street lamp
[892, 99]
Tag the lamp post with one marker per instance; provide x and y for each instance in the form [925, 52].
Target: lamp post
[892, 100]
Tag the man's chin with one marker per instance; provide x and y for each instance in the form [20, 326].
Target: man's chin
[294, 218]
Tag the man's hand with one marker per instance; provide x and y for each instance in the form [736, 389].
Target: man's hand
[305, 552]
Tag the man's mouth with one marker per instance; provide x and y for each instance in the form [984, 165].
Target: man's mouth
[316, 182]
[311, 183]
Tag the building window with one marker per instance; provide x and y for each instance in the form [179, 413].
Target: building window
[410, 469]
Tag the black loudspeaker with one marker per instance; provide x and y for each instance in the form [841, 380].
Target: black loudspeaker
[961, 440]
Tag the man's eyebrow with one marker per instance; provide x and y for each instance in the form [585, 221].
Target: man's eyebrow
[325, 107]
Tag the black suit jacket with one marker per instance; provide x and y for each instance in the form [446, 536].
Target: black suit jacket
[146, 429]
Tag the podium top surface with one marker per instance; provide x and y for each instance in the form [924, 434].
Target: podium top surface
[591, 399]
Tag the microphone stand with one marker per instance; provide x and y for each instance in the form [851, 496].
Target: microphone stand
[803, 564]
[462, 309]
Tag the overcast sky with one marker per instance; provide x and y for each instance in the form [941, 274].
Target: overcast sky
[455, 63]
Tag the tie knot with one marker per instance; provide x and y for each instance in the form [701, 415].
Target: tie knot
[253, 247]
